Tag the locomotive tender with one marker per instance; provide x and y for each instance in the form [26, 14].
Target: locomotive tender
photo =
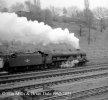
[41, 60]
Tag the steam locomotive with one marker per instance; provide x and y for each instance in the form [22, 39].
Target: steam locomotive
[41, 60]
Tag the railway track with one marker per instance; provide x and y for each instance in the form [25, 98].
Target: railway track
[78, 95]
[40, 84]
[47, 74]
[35, 76]
[66, 71]
[6, 78]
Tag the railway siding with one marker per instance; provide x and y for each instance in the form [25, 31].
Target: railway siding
[81, 80]
[6, 79]
[51, 83]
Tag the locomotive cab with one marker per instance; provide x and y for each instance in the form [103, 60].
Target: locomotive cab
[46, 58]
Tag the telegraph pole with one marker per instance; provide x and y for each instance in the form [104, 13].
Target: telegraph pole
[87, 9]
[86, 4]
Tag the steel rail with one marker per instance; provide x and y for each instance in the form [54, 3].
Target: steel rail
[50, 71]
[51, 83]
[49, 75]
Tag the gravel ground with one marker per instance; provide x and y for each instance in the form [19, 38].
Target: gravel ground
[98, 97]
[83, 85]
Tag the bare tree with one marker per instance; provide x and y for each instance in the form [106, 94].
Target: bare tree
[64, 11]
[37, 3]
[17, 7]
[34, 9]
[28, 5]
[56, 12]
[36, 13]
[88, 15]
[73, 11]
[101, 14]
[3, 6]
[47, 16]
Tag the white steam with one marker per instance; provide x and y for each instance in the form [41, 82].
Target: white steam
[20, 29]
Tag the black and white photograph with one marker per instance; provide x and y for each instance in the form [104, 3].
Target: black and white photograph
[53, 50]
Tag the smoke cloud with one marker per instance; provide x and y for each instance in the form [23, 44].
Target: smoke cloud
[14, 28]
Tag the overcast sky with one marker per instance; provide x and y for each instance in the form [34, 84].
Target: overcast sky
[66, 3]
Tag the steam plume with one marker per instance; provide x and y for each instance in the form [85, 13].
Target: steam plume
[20, 29]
